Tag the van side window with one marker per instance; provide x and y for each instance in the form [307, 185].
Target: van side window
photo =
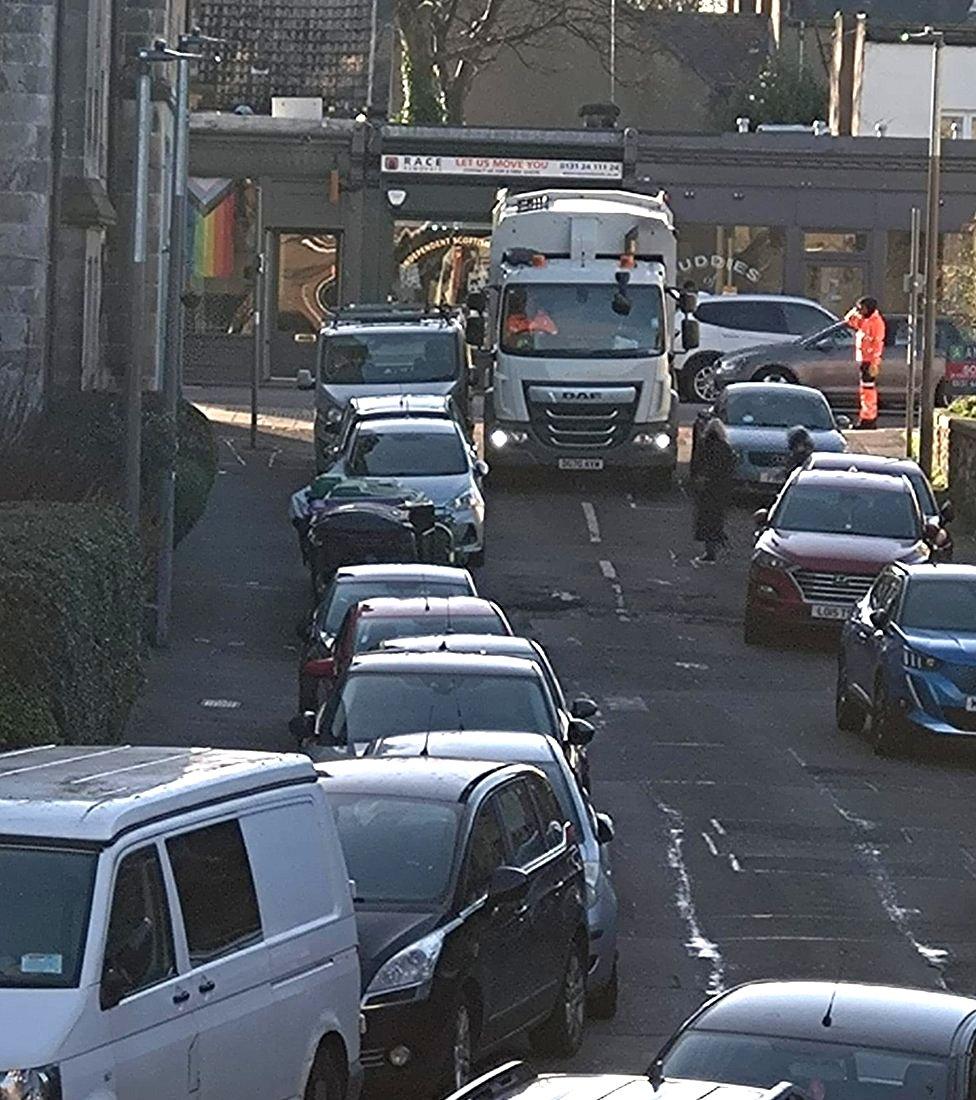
[139, 948]
[216, 889]
[521, 824]
[486, 853]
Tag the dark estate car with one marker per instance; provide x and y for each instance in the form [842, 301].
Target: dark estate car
[469, 896]
[833, 1040]
[824, 541]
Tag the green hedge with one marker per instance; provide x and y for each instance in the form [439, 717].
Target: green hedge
[71, 607]
[963, 406]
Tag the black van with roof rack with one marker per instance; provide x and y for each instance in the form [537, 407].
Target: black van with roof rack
[371, 350]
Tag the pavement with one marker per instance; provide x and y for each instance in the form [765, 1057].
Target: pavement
[753, 839]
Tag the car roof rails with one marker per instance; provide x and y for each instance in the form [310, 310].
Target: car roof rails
[375, 313]
[785, 1090]
[497, 1082]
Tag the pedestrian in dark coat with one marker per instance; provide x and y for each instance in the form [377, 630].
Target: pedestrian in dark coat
[712, 479]
[801, 446]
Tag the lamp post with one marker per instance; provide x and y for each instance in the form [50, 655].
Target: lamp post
[927, 397]
[613, 51]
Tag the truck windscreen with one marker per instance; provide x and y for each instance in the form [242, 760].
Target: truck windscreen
[377, 358]
[577, 320]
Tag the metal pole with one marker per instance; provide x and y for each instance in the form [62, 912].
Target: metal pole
[912, 353]
[613, 51]
[927, 403]
[174, 349]
[140, 237]
[258, 292]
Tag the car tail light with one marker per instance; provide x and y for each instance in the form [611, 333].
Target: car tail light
[322, 667]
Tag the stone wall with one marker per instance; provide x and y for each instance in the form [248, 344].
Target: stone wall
[962, 468]
[28, 33]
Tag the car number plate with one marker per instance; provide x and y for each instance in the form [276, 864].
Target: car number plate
[971, 704]
[581, 464]
[772, 477]
[829, 611]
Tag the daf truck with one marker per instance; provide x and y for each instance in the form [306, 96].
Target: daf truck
[579, 317]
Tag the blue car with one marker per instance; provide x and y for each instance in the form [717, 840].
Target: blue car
[907, 662]
[758, 417]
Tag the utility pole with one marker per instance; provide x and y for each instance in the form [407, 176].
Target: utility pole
[913, 284]
[613, 51]
[189, 45]
[927, 398]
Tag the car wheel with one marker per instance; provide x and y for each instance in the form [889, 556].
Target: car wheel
[602, 1003]
[561, 1034]
[460, 1053]
[698, 378]
[325, 1080]
[755, 631]
[887, 729]
[774, 374]
[850, 717]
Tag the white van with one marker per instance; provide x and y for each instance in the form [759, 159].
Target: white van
[175, 924]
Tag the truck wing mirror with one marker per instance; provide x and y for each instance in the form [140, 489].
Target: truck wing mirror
[687, 301]
[477, 302]
[690, 334]
[474, 331]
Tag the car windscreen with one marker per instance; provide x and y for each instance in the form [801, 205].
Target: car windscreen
[343, 594]
[398, 850]
[389, 358]
[383, 704]
[830, 510]
[824, 1071]
[937, 603]
[923, 493]
[770, 408]
[373, 630]
[46, 896]
[406, 454]
[577, 320]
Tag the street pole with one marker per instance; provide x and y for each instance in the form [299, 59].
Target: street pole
[140, 239]
[927, 426]
[257, 357]
[613, 51]
[915, 250]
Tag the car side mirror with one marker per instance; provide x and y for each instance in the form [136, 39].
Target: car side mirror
[583, 707]
[481, 468]
[304, 380]
[605, 831]
[507, 884]
[844, 423]
[474, 331]
[580, 732]
[690, 333]
[948, 512]
[761, 518]
[302, 726]
[880, 619]
[935, 534]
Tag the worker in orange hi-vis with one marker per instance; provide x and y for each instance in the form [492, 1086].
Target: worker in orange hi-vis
[866, 320]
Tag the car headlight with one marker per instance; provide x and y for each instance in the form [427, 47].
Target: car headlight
[31, 1084]
[412, 966]
[919, 661]
[591, 872]
[462, 501]
[770, 561]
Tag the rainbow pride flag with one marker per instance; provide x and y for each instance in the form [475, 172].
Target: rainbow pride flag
[212, 244]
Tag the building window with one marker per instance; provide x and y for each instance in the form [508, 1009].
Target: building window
[440, 264]
[957, 273]
[730, 259]
[820, 240]
[958, 124]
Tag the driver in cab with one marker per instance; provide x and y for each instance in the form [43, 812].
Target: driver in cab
[521, 323]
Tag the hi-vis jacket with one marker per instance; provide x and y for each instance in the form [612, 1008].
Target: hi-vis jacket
[870, 338]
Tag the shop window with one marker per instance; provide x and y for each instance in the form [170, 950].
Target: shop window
[732, 259]
[957, 273]
[440, 264]
[308, 281]
[820, 240]
[221, 247]
[835, 286]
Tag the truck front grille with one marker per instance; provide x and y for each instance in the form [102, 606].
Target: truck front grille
[581, 425]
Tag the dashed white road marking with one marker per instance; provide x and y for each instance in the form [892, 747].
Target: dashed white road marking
[273, 456]
[734, 863]
[710, 844]
[234, 451]
[625, 702]
[220, 704]
[607, 569]
[717, 826]
[592, 523]
[691, 666]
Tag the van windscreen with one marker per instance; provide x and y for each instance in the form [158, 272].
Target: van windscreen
[44, 916]
[389, 358]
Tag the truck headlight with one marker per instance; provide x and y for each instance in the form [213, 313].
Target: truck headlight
[660, 440]
[499, 438]
[412, 966]
[31, 1084]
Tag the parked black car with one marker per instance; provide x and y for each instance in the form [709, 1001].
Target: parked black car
[470, 901]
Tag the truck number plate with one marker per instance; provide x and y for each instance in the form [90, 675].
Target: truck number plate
[581, 464]
[829, 611]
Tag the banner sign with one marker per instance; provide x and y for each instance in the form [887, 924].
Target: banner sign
[960, 371]
[409, 164]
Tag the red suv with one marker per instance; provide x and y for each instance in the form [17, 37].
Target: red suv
[369, 623]
[824, 541]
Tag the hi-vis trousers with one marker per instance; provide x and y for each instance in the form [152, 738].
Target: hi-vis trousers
[868, 394]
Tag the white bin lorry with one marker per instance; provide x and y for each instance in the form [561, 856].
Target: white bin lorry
[579, 316]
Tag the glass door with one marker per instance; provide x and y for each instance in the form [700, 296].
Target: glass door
[306, 292]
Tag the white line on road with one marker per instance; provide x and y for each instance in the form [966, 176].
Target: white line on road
[698, 945]
[221, 704]
[607, 569]
[717, 826]
[592, 524]
[273, 456]
[233, 451]
[710, 844]
[734, 863]
[691, 666]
